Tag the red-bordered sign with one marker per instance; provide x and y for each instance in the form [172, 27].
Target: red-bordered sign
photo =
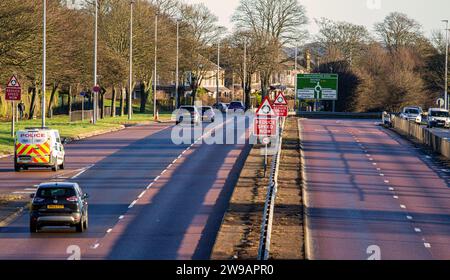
[13, 90]
[265, 123]
[280, 105]
[266, 109]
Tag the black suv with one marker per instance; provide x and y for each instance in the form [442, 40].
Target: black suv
[59, 204]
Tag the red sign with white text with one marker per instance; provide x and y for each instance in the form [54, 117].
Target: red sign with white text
[13, 90]
[265, 126]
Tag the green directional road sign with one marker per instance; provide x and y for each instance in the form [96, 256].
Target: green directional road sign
[317, 86]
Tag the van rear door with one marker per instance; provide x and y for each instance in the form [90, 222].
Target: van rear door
[33, 147]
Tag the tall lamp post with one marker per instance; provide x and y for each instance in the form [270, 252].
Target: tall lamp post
[156, 57]
[130, 109]
[295, 79]
[446, 63]
[95, 62]
[177, 98]
[44, 62]
[244, 95]
[218, 71]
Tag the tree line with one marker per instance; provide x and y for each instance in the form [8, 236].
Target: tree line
[393, 65]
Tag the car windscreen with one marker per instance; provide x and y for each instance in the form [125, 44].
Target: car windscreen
[412, 111]
[55, 192]
[235, 105]
[189, 109]
[439, 114]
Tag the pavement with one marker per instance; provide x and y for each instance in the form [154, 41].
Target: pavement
[149, 198]
[370, 194]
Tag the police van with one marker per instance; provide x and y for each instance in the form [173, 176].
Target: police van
[38, 147]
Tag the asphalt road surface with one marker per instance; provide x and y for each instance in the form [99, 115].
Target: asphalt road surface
[149, 198]
[372, 195]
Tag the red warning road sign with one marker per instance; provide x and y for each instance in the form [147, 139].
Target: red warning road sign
[265, 109]
[13, 90]
[265, 123]
[280, 105]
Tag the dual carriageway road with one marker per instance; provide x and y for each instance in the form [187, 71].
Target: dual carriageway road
[366, 189]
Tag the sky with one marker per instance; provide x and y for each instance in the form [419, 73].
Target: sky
[429, 13]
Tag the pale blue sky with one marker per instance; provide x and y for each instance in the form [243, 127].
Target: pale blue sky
[428, 12]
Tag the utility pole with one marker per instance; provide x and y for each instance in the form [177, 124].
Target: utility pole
[218, 71]
[156, 57]
[130, 104]
[44, 62]
[177, 68]
[95, 63]
[446, 64]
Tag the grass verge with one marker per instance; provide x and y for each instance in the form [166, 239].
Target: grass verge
[69, 129]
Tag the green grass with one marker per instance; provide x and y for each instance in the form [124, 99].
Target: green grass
[68, 129]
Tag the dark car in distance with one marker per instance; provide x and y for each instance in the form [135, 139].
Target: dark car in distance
[59, 204]
[236, 106]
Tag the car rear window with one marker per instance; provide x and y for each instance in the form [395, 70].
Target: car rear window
[55, 192]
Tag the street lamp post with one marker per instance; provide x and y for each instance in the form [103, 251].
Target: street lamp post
[446, 64]
[94, 119]
[295, 79]
[218, 71]
[245, 75]
[44, 62]
[177, 68]
[130, 109]
[156, 57]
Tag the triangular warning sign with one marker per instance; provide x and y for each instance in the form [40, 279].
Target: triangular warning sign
[280, 99]
[266, 109]
[13, 82]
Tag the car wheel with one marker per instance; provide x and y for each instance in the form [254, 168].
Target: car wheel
[16, 168]
[33, 227]
[86, 222]
[56, 166]
[212, 120]
[80, 226]
[62, 164]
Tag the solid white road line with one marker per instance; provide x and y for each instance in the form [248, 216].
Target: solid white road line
[132, 204]
[142, 194]
[82, 171]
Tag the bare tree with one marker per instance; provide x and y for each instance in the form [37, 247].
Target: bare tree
[398, 30]
[349, 39]
[275, 23]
